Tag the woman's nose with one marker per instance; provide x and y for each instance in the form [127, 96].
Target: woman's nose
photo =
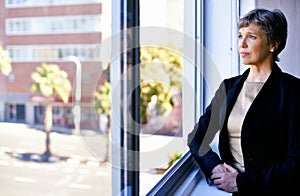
[243, 43]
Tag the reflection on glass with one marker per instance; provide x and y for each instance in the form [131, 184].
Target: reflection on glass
[161, 88]
[38, 32]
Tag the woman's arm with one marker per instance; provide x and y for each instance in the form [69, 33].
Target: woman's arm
[204, 132]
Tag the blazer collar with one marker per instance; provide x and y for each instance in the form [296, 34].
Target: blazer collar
[276, 71]
[233, 93]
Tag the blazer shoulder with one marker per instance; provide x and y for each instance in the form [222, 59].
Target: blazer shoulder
[290, 85]
[232, 79]
[290, 77]
[290, 80]
[235, 80]
[229, 82]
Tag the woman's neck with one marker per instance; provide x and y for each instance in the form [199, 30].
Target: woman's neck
[259, 74]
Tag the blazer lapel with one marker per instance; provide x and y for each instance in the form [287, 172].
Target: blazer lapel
[266, 92]
[233, 93]
[263, 95]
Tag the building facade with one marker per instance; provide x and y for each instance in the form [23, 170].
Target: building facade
[36, 32]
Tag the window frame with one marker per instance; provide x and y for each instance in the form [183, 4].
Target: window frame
[125, 84]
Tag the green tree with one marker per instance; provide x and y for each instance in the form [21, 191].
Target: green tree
[50, 80]
[102, 106]
[102, 103]
[161, 72]
[161, 75]
[5, 62]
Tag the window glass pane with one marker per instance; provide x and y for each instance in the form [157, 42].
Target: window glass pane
[161, 140]
[50, 71]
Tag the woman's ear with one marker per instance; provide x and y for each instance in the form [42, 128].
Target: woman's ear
[274, 46]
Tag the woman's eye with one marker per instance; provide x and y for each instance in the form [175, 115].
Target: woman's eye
[240, 36]
[252, 37]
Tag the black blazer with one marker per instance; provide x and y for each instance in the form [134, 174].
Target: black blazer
[270, 137]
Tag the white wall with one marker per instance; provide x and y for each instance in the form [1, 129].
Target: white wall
[219, 34]
[220, 41]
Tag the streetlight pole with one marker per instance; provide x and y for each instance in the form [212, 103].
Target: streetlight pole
[76, 109]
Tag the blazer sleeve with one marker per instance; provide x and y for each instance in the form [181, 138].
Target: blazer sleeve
[204, 132]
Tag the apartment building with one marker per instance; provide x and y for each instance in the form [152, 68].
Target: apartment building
[50, 31]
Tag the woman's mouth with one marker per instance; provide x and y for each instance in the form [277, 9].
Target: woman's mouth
[243, 54]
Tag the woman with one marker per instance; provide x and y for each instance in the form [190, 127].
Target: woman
[257, 115]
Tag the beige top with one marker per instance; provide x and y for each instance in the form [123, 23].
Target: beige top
[236, 119]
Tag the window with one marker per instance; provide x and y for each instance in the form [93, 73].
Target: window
[161, 70]
[60, 32]
[53, 25]
[30, 3]
[100, 145]
[31, 53]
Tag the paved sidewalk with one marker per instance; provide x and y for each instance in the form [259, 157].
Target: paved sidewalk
[21, 138]
[89, 147]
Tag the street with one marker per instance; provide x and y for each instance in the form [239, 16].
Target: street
[60, 179]
[80, 174]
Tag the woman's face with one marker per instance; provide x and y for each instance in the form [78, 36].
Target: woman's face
[253, 46]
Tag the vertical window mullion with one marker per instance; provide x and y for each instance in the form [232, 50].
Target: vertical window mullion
[115, 75]
[133, 145]
[125, 88]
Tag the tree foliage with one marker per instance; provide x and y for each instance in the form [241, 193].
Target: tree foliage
[50, 80]
[102, 103]
[165, 61]
[5, 62]
[161, 75]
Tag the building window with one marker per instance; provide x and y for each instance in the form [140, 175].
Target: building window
[53, 25]
[51, 52]
[27, 3]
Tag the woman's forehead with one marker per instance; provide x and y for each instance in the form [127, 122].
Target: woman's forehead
[251, 27]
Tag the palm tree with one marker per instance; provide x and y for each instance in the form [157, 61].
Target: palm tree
[5, 62]
[102, 106]
[50, 80]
